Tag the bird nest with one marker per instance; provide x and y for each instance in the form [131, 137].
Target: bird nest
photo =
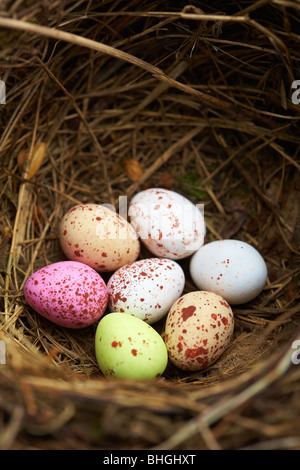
[102, 100]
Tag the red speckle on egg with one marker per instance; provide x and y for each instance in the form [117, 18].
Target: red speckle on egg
[118, 297]
[187, 312]
[191, 353]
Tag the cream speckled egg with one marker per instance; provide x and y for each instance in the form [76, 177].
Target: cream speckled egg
[67, 293]
[169, 224]
[146, 288]
[198, 329]
[97, 236]
[231, 268]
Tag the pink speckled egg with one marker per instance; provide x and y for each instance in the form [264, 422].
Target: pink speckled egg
[168, 224]
[99, 237]
[199, 327]
[146, 288]
[67, 293]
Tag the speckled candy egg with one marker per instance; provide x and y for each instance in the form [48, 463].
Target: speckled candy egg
[67, 293]
[168, 224]
[199, 327]
[99, 237]
[127, 347]
[231, 268]
[146, 288]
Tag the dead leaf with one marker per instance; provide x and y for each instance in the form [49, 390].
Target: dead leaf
[37, 215]
[34, 161]
[22, 156]
[6, 232]
[239, 218]
[133, 169]
[232, 227]
[166, 181]
[291, 291]
[117, 169]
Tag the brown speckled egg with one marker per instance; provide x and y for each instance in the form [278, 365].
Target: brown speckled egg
[97, 236]
[199, 327]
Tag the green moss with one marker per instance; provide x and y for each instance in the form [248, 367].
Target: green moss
[190, 183]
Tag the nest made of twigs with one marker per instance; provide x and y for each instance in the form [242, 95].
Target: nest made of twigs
[104, 99]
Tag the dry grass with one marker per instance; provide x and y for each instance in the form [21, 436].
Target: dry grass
[203, 106]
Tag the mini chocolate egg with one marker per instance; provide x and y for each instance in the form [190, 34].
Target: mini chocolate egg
[127, 347]
[169, 224]
[67, 293]
[146, 288]
[198, 329]
[99, 237]
[231, 268]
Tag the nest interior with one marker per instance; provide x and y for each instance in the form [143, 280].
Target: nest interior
[104, 99]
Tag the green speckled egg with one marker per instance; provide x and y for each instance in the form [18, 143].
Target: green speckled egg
[127, 347]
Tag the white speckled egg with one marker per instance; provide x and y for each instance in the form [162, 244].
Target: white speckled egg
[97, 236]
[199, 328]
[231, 268]
[146, 288]
[169, 224]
